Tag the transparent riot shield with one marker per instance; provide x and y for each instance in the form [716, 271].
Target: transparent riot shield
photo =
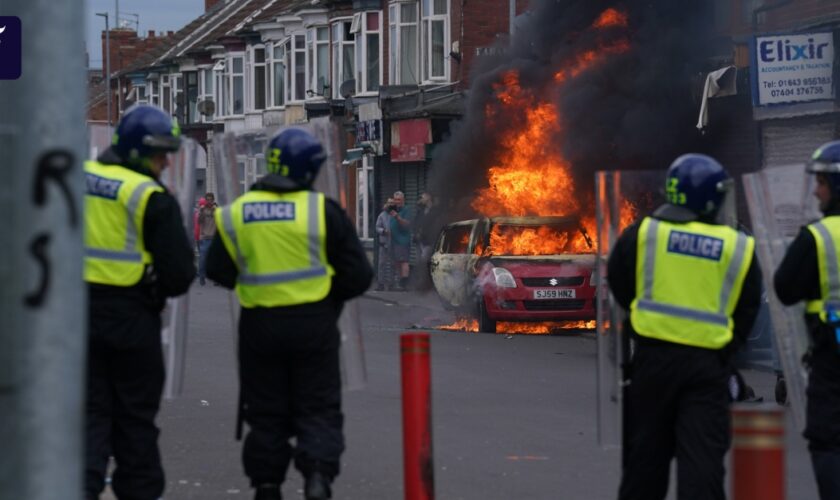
[99, 138]
[239, 160]
[179, 179]
[780, 202]
[621, 198]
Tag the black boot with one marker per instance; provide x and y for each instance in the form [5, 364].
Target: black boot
[268, 491]
[317, 487]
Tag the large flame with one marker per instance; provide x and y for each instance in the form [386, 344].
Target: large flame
[532, 177]
[506, 327]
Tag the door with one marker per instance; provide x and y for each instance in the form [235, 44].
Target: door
[450, 261]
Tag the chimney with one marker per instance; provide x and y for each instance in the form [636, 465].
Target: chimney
[170, 33]
[151, 33]
[209, 4]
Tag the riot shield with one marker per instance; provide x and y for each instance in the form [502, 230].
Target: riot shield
[780, 202]
[620, 199]
[239, 160]
[179, 179]
[99, 138]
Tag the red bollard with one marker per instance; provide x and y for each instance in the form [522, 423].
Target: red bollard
[758, 452]
[417, 416]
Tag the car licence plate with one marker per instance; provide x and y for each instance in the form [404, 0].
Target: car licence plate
[558, 293]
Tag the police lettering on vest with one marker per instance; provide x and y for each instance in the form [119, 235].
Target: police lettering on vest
[102, 187]
[695, 245]
[268, 211]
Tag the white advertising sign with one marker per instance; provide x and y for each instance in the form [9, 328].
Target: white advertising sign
[793, 68]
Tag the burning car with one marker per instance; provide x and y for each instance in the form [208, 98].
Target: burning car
[516, 269]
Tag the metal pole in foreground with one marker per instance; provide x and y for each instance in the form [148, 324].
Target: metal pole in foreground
[43, 300]
[758, 452]
[417, 416]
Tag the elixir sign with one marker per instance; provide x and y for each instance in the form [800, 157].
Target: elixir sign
[793, 68]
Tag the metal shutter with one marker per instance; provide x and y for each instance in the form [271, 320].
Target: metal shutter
[792, 141]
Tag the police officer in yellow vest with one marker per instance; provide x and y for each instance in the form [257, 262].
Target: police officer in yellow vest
[692, 288]
[809, 272]
[136, 254]
[293, 257]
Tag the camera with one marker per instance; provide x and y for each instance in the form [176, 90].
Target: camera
[392, 207]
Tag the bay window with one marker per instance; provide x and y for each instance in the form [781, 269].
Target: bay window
[177, 96]
[236, 77]
[154, 92]
[296, 68]
[434, 39]
[278, 75]
[221, 88]
[258, 78]
[369, 52]
[166, 94]
[205, 91]
[404, 50]
[343, 56]
[318, 68]
[191, 93]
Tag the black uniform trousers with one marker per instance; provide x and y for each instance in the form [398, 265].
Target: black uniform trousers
[291, 387]
[823, 419]
[124, 384]
[677, 406]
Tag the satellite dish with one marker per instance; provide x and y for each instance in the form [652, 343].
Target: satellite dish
[206, 107]
[347, 88]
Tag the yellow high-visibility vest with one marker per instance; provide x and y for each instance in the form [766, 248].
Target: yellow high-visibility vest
[688, 281]
[827, 236]
[115, 205]
[279, 244]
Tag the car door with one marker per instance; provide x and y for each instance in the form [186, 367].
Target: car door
[449, 263]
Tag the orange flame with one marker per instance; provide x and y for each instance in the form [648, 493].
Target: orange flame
[505, 327]
[609, 18]
[532, 177]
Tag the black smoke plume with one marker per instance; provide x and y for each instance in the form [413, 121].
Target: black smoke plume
[633, 110]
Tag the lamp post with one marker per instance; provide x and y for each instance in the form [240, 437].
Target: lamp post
[107, 61]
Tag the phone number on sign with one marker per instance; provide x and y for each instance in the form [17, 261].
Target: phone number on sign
[811, 81]
[797, 92]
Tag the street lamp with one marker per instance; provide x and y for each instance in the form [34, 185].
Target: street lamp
[107, 61]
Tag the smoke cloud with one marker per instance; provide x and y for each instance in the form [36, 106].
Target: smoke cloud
[633, 110]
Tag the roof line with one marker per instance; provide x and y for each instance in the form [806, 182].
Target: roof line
[251, 17]
[187, 40]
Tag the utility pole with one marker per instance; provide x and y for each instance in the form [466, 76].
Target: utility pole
[107, 61]
[43, 299]
[512, 13]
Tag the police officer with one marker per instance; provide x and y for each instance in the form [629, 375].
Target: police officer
[136, 254]
[293, 257]
[809, 272]
[693, 289]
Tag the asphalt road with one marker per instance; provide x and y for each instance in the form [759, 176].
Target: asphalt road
[513, 417]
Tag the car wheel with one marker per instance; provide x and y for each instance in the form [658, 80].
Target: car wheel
[485, 324]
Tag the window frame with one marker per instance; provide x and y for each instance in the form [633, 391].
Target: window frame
[253, 95]
[283, 62]
[296, 57]
[362, 63]
[338, 44]
[231, 78]
[219, 88]
[314, 65]
[206, 94]
[396, 25]
[427, 20]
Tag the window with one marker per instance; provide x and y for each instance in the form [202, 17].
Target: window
[343, 56]
[404, 49]
[191, 93]
[220, 88]
[177, 97]
[369, 52]
[166, 94]
[236, 81]
[278, 73]
[205, 92]
[434, 39]
[296, 69]
[456, 239]
[154, 94]
[364, 194]
[258, 78]
[141, 95]
[318, 69]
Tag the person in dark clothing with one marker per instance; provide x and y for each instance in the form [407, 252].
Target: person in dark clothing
[294, 258]
[137, 254]
[693, 290]
[809, 272]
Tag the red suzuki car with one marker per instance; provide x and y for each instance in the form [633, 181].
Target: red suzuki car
[516, 269]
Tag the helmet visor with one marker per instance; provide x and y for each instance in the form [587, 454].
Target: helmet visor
[821, 167]
[162, 143]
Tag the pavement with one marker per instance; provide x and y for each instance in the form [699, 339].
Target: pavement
[514, 417]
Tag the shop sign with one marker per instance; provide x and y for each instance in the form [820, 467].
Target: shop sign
[792, 68]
